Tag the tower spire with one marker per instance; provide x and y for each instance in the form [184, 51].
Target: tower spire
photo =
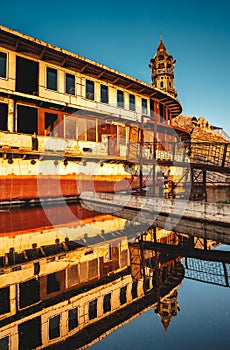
[162, 67]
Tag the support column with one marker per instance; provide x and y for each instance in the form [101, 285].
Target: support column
[204, 185]
[11, 114]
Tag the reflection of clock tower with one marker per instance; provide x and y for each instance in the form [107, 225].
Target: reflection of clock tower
[168, 307]
[162, 67]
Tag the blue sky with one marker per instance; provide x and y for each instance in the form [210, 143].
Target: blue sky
[124, 35]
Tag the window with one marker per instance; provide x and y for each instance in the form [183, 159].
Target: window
[51, 123]
[29, 334]
[70, 126]
[72, 319]
[104, 94]
[4, 343]
[162, 111]
[54, 327]
[72, 275]
[91, 130]
[51, 79]
[26, 76]
[107, 303]
[132, 102]
[144, 106]
[120, 98]
[3, 116]
[29, 293]
[123, 297]
[162, 84]
[53, 284]
[70, 84]
[89, 90]
[134, 290]
[151, 108]
[92, 309]
[4, 300]
[27, 121]
[3, 58]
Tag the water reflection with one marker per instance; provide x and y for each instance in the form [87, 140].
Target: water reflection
[70, 285]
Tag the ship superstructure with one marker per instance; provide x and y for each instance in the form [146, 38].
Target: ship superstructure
[69, 124]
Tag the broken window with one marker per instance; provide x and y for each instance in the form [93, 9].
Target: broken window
[89, 90]
[26, 76]
[70, 84]
[54, 327]
[3, 60]
[3, 116]
[72, 319]
[27, 122]
[51, 78]
[29, 293]
[4, 300]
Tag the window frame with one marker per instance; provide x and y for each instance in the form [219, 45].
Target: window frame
[132, 106]
[6, 67]
[53, 69]
[121, 104]
[73, 93]
[144, 109]
[86, 93]
[49, 330]
[106, 90]
[73, 322]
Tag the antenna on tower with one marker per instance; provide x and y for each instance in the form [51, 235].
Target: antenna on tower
[160, 36]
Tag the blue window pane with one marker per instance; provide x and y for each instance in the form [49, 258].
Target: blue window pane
[51, 79]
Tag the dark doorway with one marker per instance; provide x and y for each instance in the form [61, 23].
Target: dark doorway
[3, 116]
[26, 76]
[30, 334]
[27, 121]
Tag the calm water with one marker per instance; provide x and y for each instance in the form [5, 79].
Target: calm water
[202, 323]
[103, 295]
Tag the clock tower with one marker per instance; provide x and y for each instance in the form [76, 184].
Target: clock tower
[162, 68]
